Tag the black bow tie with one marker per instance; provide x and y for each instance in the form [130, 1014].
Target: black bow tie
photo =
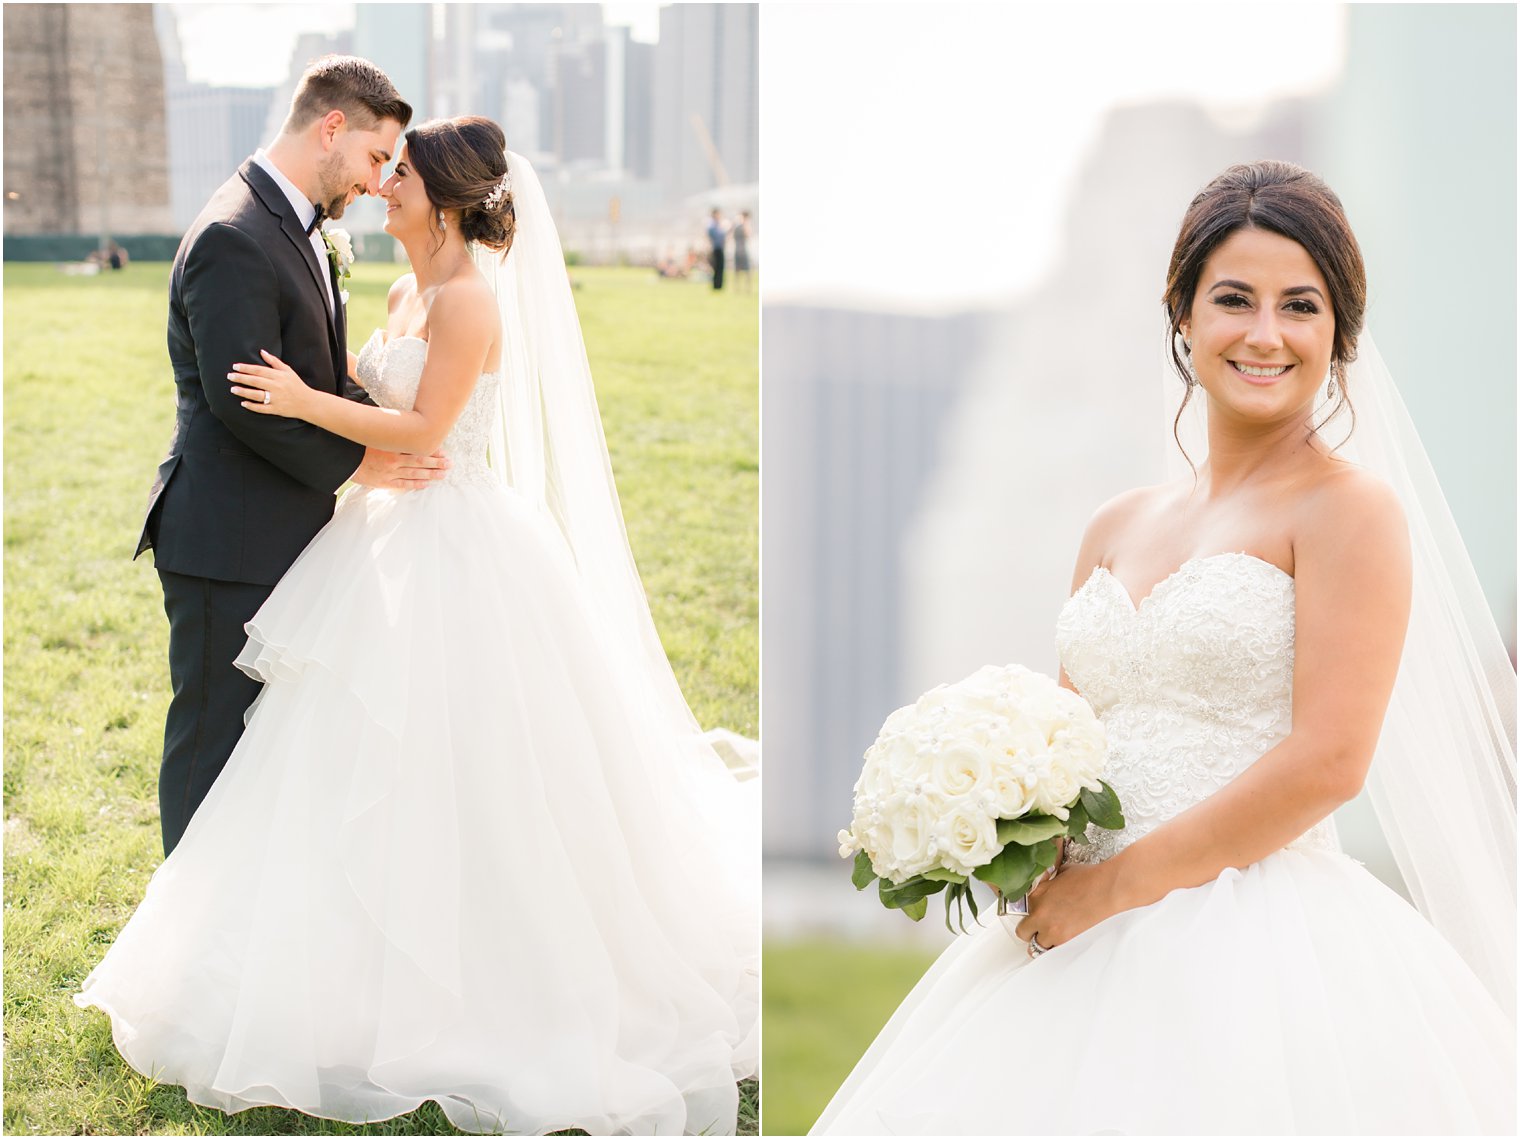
[316, 220]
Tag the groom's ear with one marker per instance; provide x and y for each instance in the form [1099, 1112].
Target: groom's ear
[329, 125]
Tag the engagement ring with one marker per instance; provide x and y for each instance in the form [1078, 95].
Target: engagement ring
[1035, 948]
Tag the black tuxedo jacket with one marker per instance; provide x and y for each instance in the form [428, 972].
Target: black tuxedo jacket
[241, 494]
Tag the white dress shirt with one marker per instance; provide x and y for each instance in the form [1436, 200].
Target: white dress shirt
[305, 211]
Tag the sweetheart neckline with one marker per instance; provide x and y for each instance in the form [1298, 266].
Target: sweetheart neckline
[1138, 607]
[386, 340]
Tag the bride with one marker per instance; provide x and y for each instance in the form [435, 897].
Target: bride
[472, 847]
[1219, 966]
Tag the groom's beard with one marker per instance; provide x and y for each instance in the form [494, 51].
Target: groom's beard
[332, 189]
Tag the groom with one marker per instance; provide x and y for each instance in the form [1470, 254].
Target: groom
[240, 495]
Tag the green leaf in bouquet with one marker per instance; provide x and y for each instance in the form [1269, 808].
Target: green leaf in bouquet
[902, 895]
[1014, 870]
[1029, 830]
[960, 895]
[862, 875]
[916, 910]
[940, 874]
[1076, 822]
[1103, 807]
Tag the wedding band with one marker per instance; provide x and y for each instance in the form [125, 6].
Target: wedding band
[1035, 948]
[266, 397]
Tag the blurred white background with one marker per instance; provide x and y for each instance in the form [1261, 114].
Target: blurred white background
[962, 319]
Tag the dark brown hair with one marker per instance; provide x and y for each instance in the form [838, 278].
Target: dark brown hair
[346, 83]
[461, 161]
[1288, 200]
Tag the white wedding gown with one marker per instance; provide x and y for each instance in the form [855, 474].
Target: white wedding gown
[1297, 996]
[444, 862]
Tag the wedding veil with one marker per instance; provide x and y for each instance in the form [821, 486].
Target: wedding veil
[547, 443]
[1443, 777]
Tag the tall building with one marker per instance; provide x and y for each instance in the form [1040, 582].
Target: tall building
[85, 132]
[398, 38]
[1430, 187]
[638, 108]
[706, 97]
[580, 80]
[210, 129]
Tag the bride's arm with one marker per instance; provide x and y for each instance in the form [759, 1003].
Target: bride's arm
[1352, 588]
[460, 324]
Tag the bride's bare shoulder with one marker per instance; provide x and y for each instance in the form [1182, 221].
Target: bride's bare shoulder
[403, 290]
[1349, 508]
[1119, 516]
[1140, 505]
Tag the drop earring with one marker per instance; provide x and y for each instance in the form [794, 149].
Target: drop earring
[1330, 384]
[443, 224]
[1187, 353]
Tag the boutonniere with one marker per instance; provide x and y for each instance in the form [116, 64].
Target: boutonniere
[340, 251]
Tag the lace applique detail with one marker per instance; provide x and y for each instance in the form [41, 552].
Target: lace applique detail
[391, 371]
[1193, 685]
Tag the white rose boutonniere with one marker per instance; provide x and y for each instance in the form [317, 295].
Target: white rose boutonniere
[340, 251]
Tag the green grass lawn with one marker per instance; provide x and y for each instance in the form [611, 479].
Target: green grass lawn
[88, 410]
[825, 1001]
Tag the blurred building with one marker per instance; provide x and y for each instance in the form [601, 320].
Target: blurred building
[706, 97]
[85, 130]
[211, 130]
[398, 39]
[853, 416]
[1430, 188]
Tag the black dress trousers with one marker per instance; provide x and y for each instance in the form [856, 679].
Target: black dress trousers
[206, 619]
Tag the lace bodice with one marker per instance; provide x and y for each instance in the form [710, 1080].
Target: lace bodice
[1192, 686]
[391, 370]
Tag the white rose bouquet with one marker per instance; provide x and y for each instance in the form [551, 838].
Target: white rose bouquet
[978, 779]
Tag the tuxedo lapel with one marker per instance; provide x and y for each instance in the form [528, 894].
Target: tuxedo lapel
[275, 202]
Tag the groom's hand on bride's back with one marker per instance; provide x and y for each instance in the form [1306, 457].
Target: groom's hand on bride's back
[387, 470]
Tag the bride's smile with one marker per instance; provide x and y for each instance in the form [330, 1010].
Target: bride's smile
[1262, 327]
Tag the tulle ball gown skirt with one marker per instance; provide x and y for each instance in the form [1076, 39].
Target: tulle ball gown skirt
[447, 860]
[1298, 996]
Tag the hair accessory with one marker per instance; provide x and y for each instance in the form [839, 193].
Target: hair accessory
[500, 193]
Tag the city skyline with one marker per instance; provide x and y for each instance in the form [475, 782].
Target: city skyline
[224, 47]
[646, 125]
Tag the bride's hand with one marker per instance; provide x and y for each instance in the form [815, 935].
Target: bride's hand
[272, 388]
[1069, 903]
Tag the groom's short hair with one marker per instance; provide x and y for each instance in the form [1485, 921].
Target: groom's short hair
[355, 86]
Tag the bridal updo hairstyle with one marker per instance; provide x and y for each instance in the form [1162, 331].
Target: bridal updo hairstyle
[1288, 200]
[460, 161]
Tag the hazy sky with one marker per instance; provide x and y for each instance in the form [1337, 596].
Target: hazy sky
[901, 143]
[249, 45]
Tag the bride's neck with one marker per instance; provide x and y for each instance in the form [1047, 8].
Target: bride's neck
[432, 264]
[1244, 453]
